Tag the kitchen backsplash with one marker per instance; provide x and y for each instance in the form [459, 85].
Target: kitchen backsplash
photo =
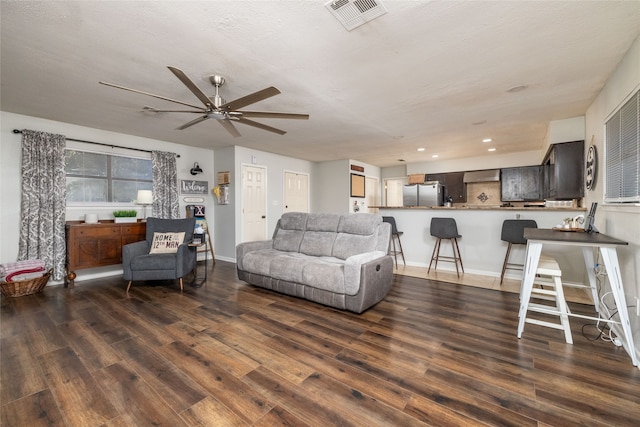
[483, 193]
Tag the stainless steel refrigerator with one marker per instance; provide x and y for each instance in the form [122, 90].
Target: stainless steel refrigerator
[427, 194]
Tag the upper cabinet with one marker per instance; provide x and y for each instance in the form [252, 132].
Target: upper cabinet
[564, 170]
[522, 184]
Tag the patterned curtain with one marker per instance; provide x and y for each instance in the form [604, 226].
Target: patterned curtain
[43, 200]
[165, 185]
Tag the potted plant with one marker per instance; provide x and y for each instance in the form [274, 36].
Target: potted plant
[126, 216]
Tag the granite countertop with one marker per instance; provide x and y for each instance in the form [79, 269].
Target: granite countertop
[483, 207]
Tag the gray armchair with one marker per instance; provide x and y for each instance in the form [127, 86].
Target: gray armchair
[139, 264]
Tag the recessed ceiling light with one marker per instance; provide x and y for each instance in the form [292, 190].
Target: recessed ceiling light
[491, 149]
[434, 156]
[487, 140]
[517, 88]
[420, 149]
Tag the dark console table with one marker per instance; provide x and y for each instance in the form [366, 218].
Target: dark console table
[97, 245]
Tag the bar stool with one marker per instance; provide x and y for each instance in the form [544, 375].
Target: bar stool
[445, 228]
[513, 233]
[395, 236]
[549, 275]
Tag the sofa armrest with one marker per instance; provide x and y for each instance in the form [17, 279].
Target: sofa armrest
[245, 247]
[130, 251]
[376, 280]
[353, 268]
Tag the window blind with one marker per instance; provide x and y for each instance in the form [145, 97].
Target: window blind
[622, 151]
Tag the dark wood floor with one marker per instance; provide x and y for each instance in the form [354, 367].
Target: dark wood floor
[227, 353]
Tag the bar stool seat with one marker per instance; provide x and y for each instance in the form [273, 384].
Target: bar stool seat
[395, 237]
[513, 233]
[445, 228]
[548, 275]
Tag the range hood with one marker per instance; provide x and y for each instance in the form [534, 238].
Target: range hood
[490, 175]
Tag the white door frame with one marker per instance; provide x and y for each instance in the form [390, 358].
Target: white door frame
[266, 205]
[284, 188]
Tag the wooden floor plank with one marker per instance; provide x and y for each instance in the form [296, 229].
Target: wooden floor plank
[135, 400]
[230, 354]
[177, 389]
[221, 385]
[34, 410]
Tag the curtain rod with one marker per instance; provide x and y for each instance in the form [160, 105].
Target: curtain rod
[100, 143]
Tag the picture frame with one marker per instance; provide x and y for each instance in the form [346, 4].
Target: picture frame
[190, 186]
[357, 185]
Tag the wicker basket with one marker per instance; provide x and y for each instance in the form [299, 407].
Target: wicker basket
[25, 287]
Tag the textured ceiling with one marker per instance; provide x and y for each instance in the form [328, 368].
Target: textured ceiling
[423, 75]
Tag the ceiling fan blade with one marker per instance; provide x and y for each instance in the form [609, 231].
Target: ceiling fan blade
[148, 94]
[191, 85]
[193, 122]
[260, 126]
[229, 127]
[155, 110]
[250, 99]
[266, 115]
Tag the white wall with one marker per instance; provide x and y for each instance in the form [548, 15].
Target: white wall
[224, 238]
[622, 222]
[10, 160]
[566, 130]
[330, 187]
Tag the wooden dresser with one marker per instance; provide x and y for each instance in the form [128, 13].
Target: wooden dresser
[97, 245]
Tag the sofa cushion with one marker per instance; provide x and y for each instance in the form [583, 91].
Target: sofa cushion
[363, 224]
[162, 261]
[347, 245]
[325, 273]
[289, 266]
[323, 222]
[317, 243]
[259, 262]
[290, 231]
[356, 234]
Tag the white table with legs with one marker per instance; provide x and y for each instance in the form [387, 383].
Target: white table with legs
[537, 237]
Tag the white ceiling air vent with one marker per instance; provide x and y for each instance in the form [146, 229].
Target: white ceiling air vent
[353, 13]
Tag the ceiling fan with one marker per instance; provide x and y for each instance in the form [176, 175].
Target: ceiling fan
[216, 108]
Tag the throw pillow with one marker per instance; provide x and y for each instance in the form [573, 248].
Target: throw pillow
[166, 243]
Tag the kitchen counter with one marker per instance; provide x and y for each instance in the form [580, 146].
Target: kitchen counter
[481, 227]
[483, 207]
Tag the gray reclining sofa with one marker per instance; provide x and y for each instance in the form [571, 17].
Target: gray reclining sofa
[333, 259]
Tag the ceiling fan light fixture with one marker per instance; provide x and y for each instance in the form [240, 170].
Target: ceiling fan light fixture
[218, 115]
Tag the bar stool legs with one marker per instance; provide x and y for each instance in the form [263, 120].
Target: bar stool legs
[456, 258]
[550, 276]
[513, 233]
[445, 228]
[395, 236]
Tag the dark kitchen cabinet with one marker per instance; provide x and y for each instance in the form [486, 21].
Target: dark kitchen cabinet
[522, 184]
[564, 163]
[453, 183]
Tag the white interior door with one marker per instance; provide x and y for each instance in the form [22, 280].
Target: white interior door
[254, 203]
[372, 193]
[393, 191]
[296, 192]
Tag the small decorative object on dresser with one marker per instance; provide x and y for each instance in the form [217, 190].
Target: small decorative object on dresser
[123, 216]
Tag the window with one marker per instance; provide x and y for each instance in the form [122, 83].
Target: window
[622, 151]
[103, 178]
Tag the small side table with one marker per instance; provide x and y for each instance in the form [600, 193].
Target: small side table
[199, 281]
